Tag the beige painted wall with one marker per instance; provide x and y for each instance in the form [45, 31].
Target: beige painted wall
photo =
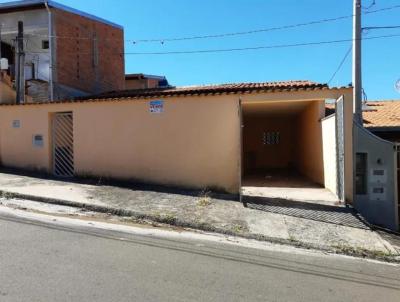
[194, 143]
[309, 155]
[329, 153]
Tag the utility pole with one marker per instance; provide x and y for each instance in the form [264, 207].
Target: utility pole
[20, 65]
[357, 77]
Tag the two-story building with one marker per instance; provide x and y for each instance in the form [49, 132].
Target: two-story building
[67, 52]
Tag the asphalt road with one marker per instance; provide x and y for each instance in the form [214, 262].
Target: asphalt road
[44, 262]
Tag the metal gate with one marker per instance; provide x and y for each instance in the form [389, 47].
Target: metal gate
[63, 144]
[340, 148]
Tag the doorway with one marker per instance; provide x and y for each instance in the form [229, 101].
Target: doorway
[63, 144]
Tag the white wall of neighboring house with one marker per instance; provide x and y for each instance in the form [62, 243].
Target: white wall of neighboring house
[329, 153]
[35, 30]
[37, 58]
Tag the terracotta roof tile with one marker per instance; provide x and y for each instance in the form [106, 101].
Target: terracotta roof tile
[382, 114]
[208, 89]
[379, 114]
[234, 88]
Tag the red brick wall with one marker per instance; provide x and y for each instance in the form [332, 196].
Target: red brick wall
[76, 65]
[141, 83]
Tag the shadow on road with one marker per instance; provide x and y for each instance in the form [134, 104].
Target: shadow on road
[339, 215]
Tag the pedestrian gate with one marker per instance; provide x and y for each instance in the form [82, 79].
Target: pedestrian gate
[63, 144]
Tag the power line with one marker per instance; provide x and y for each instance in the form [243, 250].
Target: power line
[242, 32]
[341, 64]
[373, 3]
[257, 47]
[260, 30]
[224, 35]
[239, 49]
[380, 27]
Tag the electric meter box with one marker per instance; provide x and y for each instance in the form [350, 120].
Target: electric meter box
[3, 64]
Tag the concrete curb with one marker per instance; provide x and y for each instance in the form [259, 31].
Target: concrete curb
[201, 226]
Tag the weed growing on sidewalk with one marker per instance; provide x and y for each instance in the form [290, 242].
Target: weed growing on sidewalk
[6, 195]
[350, 250]
[204, 198]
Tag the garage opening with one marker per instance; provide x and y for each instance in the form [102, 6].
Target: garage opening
[283, 151]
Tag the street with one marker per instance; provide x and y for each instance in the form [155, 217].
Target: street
[42, 261]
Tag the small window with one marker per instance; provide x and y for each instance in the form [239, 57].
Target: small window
[361, 173]
[271, 138]
[45, 44]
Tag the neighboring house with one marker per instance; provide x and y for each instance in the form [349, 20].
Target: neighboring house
[68, 53]
[382, 118]
[145, 81]
[377, 162]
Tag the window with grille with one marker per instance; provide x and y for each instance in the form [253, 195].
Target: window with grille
[271, 138]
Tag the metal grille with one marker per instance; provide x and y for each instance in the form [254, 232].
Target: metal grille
[63, 144]
[340, 147]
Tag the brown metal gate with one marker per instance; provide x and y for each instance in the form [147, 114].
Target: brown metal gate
[63, 144]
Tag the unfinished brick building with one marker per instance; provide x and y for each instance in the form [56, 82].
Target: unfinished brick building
[68, 53]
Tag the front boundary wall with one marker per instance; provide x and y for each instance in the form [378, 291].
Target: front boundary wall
[187, 141]
[192, 143]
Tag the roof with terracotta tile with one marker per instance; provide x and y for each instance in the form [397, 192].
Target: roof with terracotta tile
[380, 114]
[210, 89]
[204, 90]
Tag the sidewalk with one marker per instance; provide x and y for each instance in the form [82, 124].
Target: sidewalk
[333, 229]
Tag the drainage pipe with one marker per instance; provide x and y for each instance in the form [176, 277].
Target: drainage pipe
[50, 35]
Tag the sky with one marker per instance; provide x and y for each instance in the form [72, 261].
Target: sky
[163, 19]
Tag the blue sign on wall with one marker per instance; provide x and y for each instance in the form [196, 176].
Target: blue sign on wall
[157, 106]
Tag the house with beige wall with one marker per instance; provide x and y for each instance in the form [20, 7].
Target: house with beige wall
[221, 137]
[212, 136]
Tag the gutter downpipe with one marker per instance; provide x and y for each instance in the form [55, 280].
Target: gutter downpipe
[50, 35]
